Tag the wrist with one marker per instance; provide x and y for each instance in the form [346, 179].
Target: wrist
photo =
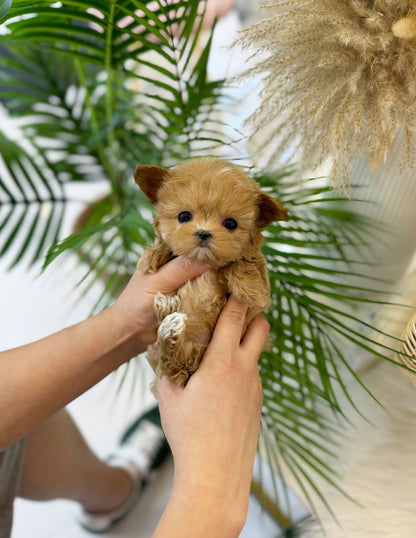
[211, 510]
[131, 333]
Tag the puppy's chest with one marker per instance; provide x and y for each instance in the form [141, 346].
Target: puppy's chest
[204, 295]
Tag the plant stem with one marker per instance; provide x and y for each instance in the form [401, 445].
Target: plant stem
[109, 107]
[95, 127]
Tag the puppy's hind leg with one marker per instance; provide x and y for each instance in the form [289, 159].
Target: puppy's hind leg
[164, 305]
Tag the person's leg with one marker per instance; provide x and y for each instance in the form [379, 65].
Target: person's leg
[59, 464]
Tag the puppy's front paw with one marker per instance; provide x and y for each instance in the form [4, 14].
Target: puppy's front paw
[165, 305]
[172, 327]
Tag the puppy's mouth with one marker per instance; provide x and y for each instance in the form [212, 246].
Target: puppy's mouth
[203, 251]
[204, 254]
[203, 244]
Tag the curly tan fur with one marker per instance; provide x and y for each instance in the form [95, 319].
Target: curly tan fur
[212, 192]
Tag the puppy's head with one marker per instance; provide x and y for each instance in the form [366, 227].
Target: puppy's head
[208, 210]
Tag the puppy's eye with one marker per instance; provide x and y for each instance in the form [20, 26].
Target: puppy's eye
[230, 224]
[185, 216]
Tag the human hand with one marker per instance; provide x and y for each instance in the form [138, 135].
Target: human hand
[212, 425]
[135, 304]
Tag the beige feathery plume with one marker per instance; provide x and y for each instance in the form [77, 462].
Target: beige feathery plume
[339, 80]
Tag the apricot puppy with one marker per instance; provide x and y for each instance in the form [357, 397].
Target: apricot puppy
[208, 211]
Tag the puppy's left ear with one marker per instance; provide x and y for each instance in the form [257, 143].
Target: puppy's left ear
[150, 179]
[270, 210]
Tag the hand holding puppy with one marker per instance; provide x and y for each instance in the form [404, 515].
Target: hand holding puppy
[135, 304]
[212, 426]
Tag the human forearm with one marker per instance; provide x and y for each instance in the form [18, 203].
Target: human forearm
[38, 379]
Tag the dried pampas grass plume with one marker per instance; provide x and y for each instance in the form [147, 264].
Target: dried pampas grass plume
[339, 80]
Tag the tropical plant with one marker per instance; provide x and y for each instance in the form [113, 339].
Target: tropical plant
[93, 92]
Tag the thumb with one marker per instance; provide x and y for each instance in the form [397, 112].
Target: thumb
[228, 330]
[226, 338]
[175, 273]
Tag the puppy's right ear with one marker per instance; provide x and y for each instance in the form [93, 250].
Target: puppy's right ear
[150, 179]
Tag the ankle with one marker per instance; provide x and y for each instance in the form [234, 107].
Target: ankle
[111, 493]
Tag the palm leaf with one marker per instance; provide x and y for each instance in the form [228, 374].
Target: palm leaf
[5, 5]
[316, 312]
[119, 42]
[87, 120]
[33, 201]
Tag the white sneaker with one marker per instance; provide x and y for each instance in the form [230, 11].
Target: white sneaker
[142, 449]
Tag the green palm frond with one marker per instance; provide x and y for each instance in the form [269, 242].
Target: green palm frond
[53, 113]
[319, 316]
[90, 116]
[110, 245]
[132, 45]
[45, 149]
[5, 5]
[31, 202]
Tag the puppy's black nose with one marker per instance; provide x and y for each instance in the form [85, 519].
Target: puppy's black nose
[204, 235]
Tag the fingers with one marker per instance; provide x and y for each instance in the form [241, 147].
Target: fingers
[175, 273]
[256, 337]
[228, 331]
[166, 389]
[229, 327]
